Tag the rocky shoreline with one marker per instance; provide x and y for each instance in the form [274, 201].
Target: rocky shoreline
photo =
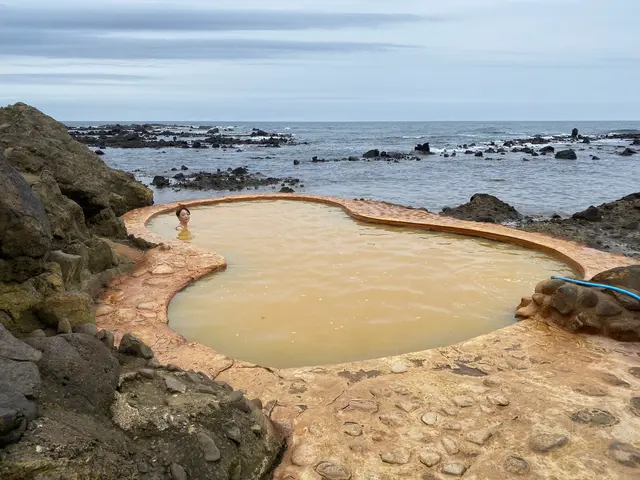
[612, 227]
[72, 405]
[233, 179]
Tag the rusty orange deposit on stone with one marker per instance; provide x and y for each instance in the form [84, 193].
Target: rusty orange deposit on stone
[509, 404]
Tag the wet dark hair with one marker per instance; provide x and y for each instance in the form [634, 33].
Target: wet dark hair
[179, 210]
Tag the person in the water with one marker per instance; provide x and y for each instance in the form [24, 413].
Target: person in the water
[184, 215]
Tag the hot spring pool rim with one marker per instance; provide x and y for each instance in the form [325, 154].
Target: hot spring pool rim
[310, 405]
[192, 262]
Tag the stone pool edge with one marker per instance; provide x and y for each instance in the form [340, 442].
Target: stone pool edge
[138, 303]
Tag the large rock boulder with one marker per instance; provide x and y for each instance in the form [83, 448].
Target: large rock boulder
[484, 208]
[34, 142]
[78, 372]
[56, 196]
[623, 277]
[591, 214]
[567, 155]
[589, 309]
[25, 232]
[75, 307]
[111, 416]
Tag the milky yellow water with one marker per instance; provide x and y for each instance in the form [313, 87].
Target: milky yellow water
[307, 285]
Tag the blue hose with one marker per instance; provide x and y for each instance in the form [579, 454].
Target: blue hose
[599, 285]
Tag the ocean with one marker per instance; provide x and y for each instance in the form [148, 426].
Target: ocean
[539, 187]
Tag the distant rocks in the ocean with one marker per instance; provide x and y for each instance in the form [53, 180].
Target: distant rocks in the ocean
[423, 148]
[160, 181]
[628, 152]
[163, 136]
[569, 154]
[547, 149]
[233, 179]
[374, 154]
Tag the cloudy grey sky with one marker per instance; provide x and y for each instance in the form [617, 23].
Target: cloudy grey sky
[323, 59]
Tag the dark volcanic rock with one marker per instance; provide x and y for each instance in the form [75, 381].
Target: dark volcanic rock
[233, 179]
[628, 152]
[160, 181]
[484, 208]
[102, 418]
[602, 227]
[591, 214]
[78, 372]
[566, 155]
[13, 349]
[33, 142]
[24, 225]
[240, 171]
[423, 148]
[131, 345]
[47, 242]
[372, 154]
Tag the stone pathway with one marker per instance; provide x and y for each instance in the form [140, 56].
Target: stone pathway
[529, 401]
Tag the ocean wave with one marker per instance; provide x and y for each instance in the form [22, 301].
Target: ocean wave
[624, 131]
[417, 137]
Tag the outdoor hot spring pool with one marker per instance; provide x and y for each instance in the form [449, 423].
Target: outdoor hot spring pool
[308, 285]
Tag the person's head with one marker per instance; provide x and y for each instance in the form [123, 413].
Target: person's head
[183, 214]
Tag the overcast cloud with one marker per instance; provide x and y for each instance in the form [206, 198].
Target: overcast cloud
[329, 60]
